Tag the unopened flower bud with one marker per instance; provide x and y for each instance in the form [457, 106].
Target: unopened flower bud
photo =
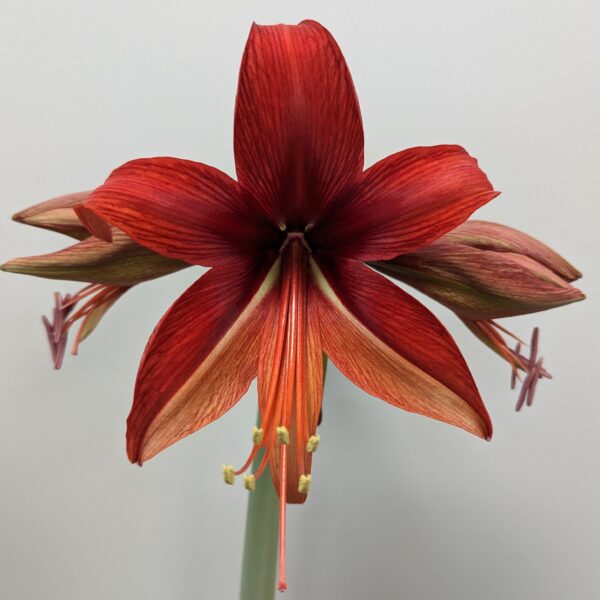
[121, 262]
[485, 271]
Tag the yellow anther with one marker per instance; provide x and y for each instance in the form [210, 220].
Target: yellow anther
[257, 435]
[250, 482]
[304, 483]
[283, 435]
[313, 443]
[228, 474]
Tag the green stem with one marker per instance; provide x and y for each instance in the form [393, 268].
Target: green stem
[259, 562]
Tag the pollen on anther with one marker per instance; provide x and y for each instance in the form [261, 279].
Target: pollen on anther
[283, 435]
[250, 482]
[257, 435]
[313, 443]
[304, 483]
[228, 474]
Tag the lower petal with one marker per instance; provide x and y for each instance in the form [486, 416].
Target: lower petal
[201, 357]
[391, 346]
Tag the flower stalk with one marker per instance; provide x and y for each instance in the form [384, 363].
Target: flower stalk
[259, 561]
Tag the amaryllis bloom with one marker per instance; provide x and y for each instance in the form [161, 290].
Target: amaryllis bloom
[484, 271]
[287, 245]
[110, 269]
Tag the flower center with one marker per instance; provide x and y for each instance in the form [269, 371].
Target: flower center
[294, 236]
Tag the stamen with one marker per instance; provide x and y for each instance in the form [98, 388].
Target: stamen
[283, 435]
[257, 435]
[283, 394]
[250, 482]
[257, 438]
[57, 329]
[530, 365]
[228, 474]
[313, 443]
[514, 372]
[533, 369]
[304, 483]
[293, 379]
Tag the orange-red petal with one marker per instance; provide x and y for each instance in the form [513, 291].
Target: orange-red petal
[201, 357]
[391, 346]
[403, 202]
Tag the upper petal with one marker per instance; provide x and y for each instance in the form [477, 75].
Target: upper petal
[391, 346]
[201, 357]
[403, 202]
[182, 209]
[298, 130]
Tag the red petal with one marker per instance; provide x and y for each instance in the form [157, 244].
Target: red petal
[94, 223]
[298, 130]
[182, 209]
[391, 346]
[201, 357]
[403, 202]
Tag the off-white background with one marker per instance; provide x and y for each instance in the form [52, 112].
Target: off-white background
[401, 507]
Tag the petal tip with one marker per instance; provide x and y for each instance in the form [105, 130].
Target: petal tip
[94, 223]
[19, 217]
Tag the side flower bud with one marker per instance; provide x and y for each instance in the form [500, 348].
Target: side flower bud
[121, 262]
[485, 271]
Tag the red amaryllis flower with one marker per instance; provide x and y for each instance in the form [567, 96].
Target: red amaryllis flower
[287, 243]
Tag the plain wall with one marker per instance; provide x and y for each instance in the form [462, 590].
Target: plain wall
[401, 506]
